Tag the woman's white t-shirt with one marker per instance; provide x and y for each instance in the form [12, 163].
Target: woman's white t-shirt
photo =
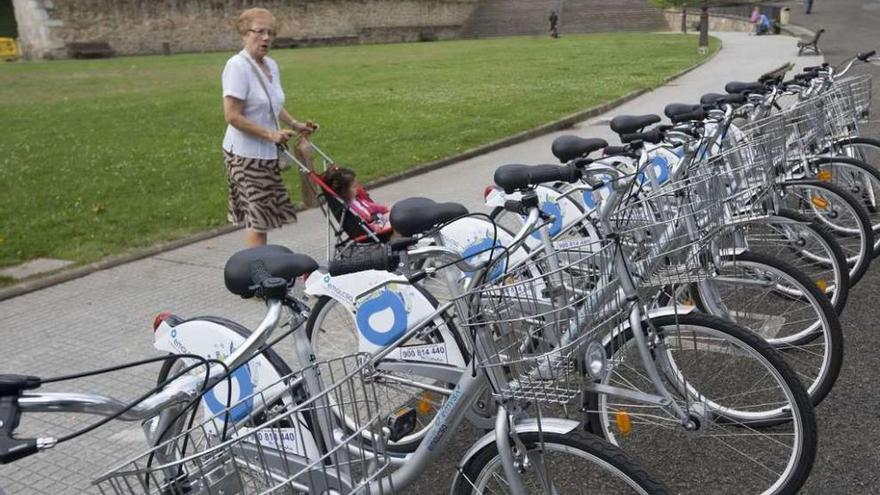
[240, 82]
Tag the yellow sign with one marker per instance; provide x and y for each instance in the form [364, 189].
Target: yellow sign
[8, 49]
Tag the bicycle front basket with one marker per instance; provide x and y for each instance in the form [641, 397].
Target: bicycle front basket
[288, 441]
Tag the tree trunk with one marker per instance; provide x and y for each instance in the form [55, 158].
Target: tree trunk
[684, 20]
[704, 27]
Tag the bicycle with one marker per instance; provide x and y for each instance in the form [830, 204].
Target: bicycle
[290, 437]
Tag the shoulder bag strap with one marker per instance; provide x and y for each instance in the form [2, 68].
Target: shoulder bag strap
[260, 77]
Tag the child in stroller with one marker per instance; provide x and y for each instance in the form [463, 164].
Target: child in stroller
[343, 182]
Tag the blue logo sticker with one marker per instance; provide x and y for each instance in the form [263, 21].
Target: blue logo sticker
[661, 170]
[386, 301]
[553, 209]
[588, 200]
[215, 400]
[483, 247]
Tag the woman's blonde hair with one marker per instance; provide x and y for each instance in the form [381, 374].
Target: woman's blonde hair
[247, 18]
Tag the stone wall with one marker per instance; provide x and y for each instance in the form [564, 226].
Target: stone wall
[717, 22]
[517, 17]
[143, 26]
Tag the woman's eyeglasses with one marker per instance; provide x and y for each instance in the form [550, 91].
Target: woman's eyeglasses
[263, 32]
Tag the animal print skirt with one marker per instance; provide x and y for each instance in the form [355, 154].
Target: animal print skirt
[257, 196]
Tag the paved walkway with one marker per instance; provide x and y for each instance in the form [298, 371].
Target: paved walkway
[848, 417]
[105, 318]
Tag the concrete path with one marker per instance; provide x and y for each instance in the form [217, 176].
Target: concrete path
[105, 318]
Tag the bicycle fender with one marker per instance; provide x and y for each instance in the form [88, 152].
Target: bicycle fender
[681, 309]
[553, 425]
[210, 338]
[213, 340]
[565, 211]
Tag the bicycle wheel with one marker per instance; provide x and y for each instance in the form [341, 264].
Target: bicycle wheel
[333, 332]
[863, 149]
[777, 302]
[860, 180]
[835, 209]
[804, 244]
[576, 462]
[747, 407]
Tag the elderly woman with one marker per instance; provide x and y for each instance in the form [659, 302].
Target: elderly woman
[253, 104]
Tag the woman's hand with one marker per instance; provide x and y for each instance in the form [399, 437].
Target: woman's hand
[282, 136]
[306, 128]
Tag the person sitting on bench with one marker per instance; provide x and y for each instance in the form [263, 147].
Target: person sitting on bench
[343, 182]
[762, 24]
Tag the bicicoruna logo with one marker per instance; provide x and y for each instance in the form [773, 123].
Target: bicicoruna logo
[603, 191]
[480, 251]
[242, 388]
[382, 319]
[551, 208]
[661, 170]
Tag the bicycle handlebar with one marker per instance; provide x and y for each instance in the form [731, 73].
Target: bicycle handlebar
[654, 136]
[867, 55]
[696, 114]
[182, 390]
[385, 260]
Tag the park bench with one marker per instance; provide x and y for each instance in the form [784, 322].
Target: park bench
[90, 49]
[812, 45]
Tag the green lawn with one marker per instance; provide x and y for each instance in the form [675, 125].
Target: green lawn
[97, 157]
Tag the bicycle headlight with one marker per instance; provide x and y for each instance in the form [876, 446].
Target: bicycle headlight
[597, 363]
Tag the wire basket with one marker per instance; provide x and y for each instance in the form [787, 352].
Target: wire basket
[756, 151]
[859, 87]
[530, 326]
[331, 442]
[771, 127]
[840, 106]
[806, 126]
[667, 232]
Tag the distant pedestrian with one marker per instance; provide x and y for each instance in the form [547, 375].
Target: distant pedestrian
[554, 24]
[253, 106]
[808, 6]
[764, 25]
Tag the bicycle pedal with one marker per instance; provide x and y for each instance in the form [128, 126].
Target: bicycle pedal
[401, 423]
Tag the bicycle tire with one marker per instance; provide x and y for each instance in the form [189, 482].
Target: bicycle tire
[671, 449]
[857, 241]
[410, 442]
[859, 179]
[819, 386]
[599, 452]
[805, 244]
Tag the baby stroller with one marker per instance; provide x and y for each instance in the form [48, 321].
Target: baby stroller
[347, 232]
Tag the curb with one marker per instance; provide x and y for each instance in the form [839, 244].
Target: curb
[65, 275]
[797, 31]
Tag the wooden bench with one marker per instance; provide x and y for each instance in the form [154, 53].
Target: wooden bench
[90, 49]
[810, 45]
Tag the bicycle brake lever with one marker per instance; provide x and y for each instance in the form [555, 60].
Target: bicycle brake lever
[13, 449]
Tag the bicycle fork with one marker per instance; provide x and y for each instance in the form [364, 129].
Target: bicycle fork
[633, 308]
